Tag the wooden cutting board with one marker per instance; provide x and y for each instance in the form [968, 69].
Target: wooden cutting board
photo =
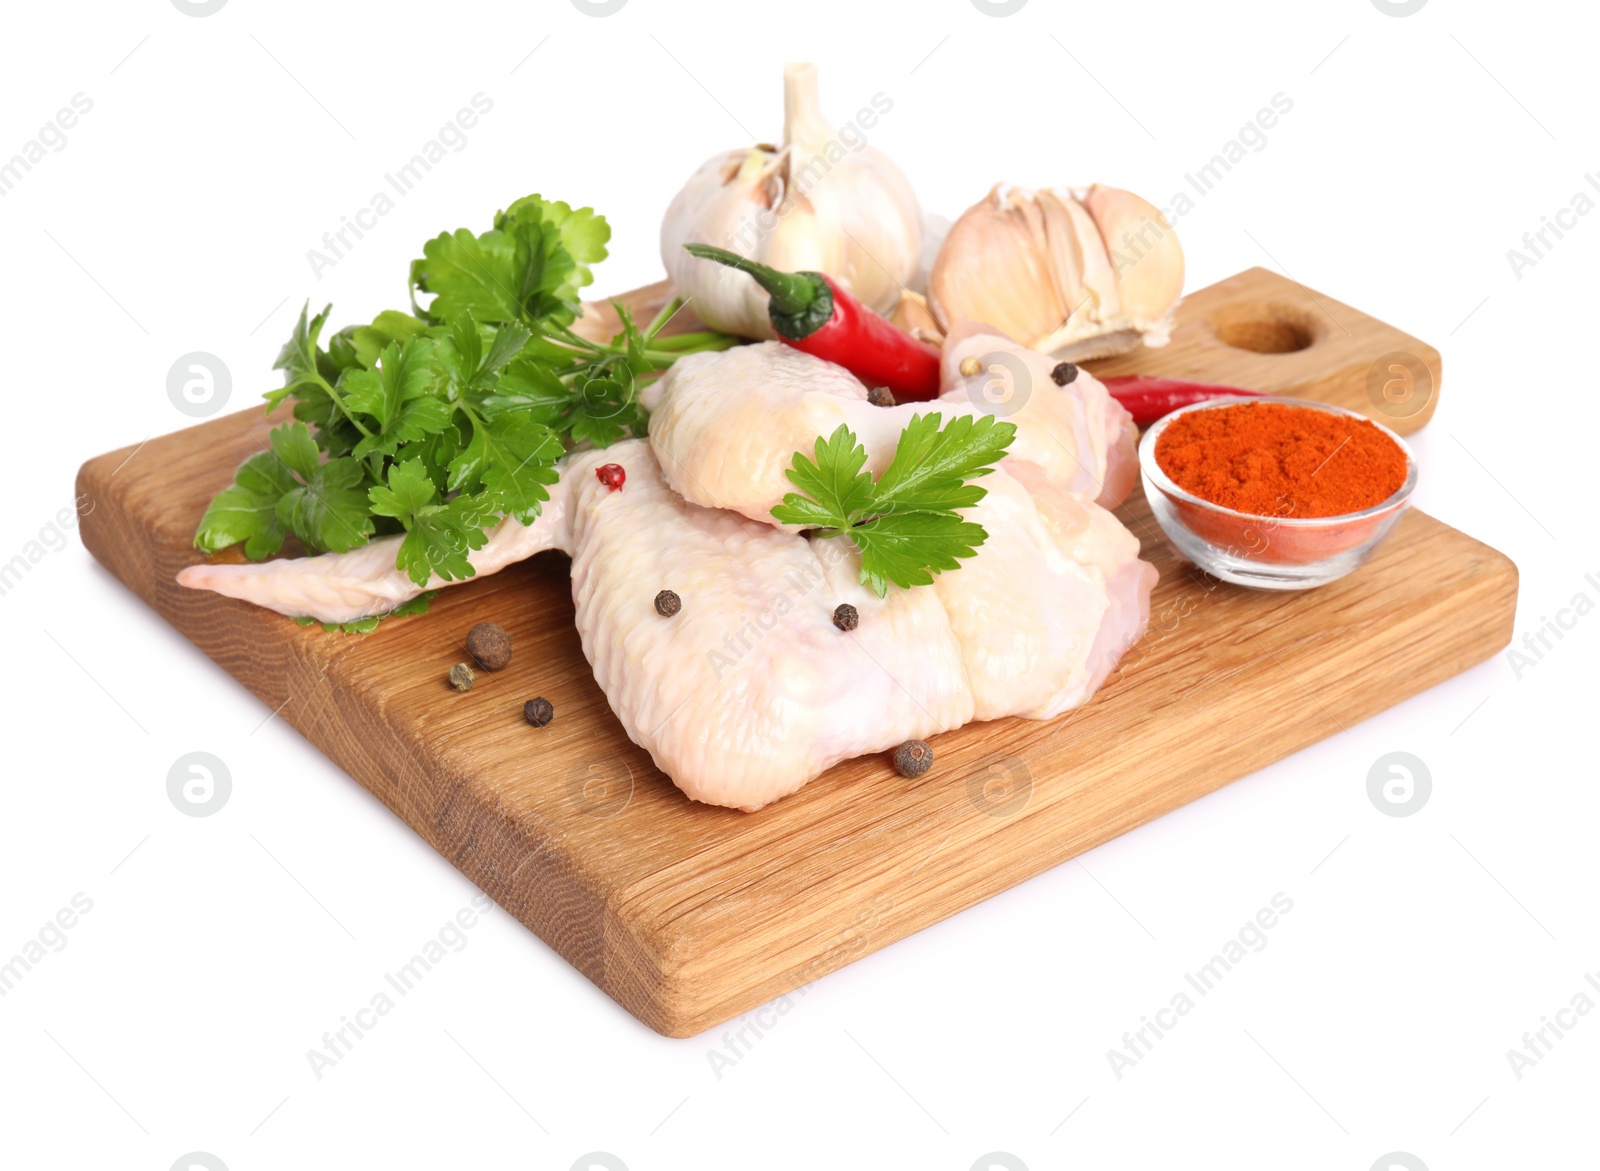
[687, 915]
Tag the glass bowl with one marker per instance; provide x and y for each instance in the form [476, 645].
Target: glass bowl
[1267, 552]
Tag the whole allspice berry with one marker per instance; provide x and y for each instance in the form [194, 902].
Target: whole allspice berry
[845, 616]
[489, 645]
[668, 603]
[913, 758]
[538, 712]
[881, 396]
[1064, 373]
[462, 677]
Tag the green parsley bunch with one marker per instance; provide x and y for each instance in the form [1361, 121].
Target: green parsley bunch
[439, 422]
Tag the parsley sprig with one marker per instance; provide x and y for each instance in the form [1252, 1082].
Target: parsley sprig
[438, 422]
[906, 522]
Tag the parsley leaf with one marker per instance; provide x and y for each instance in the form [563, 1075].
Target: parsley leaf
[470, 276]
[248, 510]
[905, 523]
[438, 536]
[839, 490]
[595, 406]
[287, 489]
[530, 387]
[363, 344]
[307, 372]
[300, 357]
[529, 267]
[398, 395]
[931, 466]
[603, 410]
[295, 449]
[328, 510]
[472, 372]
[581, 235]
[511, 458]
[908, 548]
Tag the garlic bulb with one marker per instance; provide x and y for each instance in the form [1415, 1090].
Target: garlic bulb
[1079, 275]
[822, 201]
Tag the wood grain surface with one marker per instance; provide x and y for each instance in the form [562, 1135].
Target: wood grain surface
[688, 915]
[1263, 332]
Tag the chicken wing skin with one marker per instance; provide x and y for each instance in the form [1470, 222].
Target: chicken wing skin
[750, 691]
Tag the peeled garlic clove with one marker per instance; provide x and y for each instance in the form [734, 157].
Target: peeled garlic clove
[1143, 248]
[823, 201]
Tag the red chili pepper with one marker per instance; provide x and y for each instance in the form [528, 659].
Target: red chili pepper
[613, 476]
[1148, 397]
[810, 312]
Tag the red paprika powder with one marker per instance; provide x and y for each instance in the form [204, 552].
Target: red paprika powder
[1272, 459]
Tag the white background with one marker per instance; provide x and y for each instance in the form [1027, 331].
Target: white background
[177, 218]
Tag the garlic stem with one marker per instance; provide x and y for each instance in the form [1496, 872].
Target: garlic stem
[803, 120]
[861, 226]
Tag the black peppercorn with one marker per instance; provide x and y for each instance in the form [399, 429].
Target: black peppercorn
[1064, 373]
[489, 645]
[538, 712]
[881, 396]
[913, 758]
[845, 616]
[461, 677]
[668, 603]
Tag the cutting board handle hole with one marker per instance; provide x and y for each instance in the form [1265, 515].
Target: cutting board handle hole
[1264, 328]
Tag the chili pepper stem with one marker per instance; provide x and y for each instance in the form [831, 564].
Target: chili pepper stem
[792, 293]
